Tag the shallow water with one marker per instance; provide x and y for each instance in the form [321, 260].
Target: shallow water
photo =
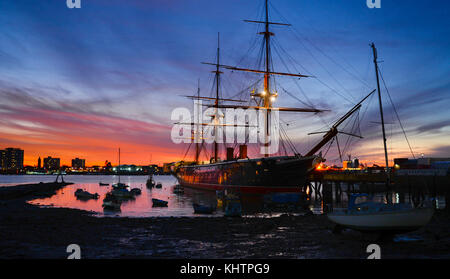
[179, 205]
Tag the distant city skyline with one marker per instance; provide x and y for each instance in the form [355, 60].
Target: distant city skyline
[12, 158]
[84, 82]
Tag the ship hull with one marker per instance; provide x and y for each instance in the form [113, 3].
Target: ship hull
[263, 175]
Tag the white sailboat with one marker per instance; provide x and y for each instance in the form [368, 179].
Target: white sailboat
[372, 216]
[119, 185]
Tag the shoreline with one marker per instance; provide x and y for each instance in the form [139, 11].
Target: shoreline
[29, 231]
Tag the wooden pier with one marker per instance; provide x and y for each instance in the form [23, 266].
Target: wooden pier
[329, 186]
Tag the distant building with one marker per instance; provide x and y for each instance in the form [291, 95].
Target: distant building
[11, 159]
[2, 159]
[127, 168]
[420, 163]
[39, 165]
[108, 166]
[51, 163]
[422, 166]
[351, 164]
[78, 163]
[151, 169]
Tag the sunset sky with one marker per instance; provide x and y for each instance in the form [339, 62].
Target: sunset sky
[84, 82]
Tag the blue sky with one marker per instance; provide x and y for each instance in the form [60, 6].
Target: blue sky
[71, 78]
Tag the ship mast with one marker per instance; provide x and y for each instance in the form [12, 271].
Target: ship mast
[265, 96]
[197, 150]
[216, 101]
[119, 165]
[375, 57]
[266, 92]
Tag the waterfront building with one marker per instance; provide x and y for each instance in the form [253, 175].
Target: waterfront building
[51, 163]
[11, 159]
[78, 163]
[2, 159]
[127, 168]
[351, 164]
[422, 166]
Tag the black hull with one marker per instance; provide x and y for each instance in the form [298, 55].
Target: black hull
[263, 175]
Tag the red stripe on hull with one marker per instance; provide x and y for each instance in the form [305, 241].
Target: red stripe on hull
[242, 189]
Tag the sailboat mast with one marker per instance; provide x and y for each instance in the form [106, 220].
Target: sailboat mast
[119, 165]
[375, 57]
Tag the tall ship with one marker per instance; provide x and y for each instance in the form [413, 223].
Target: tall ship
[265, 174]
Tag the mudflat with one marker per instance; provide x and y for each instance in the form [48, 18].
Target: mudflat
[28, 231]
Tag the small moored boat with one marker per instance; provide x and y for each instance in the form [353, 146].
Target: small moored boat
[233, 208]
[150, 182]
[380, 217]
[203, 209]
[122, 193]
[159, 203]
[119, 186]
[110, 202]
[136, 191]
[81, 194]
[103, 184]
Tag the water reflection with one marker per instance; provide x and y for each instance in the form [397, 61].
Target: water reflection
[336, 196]
[179, 204]
[318, 201]
[140, 206]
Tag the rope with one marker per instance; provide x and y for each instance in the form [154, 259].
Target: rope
[398, 117]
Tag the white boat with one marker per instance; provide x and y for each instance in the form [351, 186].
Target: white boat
[119, 185]
[371, 216]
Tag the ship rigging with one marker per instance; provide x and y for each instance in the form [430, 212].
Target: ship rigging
[286, 173]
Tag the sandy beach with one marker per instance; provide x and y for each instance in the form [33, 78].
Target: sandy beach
[28, 231]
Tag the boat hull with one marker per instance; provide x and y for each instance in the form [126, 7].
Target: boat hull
[400, 221]
[264, 175]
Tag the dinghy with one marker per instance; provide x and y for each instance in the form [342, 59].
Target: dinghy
[103, 184]
[79, 193]
[380, 217]
[135, 191]
[233, 208]
[159, 203]
[203, 209]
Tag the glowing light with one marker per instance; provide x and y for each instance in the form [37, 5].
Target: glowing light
[263, 93]
[273, 98]
[322, 167]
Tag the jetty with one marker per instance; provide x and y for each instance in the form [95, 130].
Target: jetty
[31, 190]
